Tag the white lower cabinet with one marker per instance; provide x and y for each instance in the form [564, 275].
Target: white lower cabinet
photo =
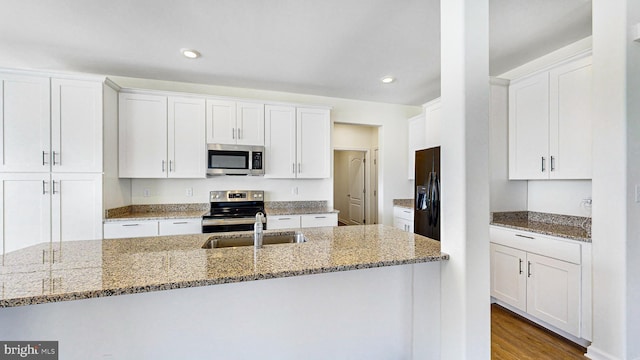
[38, 208]
[179, 226]
[403, 218]
[543, 277]
[275, 222]
[131, 229]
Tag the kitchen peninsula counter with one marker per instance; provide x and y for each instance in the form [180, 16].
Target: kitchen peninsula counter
[99, 268]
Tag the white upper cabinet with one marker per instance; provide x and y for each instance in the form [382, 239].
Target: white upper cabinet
[142, 136]
[570, 119]
[313, 143]
[76, 126]
[186, 136]
[280, 141]
[161, 137]
[230, 122]
[416, 133]
[24, 124]
[297, 142]
[433, 119]
[550, 123]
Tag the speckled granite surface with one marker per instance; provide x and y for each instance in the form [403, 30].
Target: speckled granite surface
[297, 207]
[156, 212]
[565, 226]
[405, 203]
[98, 268]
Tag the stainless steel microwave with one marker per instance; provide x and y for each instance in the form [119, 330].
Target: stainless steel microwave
[235, 160]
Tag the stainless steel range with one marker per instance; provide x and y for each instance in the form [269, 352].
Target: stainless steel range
[233, 210]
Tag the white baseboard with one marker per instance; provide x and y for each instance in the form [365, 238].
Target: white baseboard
[594, 353]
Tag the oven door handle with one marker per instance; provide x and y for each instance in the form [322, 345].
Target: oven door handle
[231, 221]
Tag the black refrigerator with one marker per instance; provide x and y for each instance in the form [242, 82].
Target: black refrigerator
[426, 220]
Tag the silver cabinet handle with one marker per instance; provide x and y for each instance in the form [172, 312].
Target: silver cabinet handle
[233, 133]
[170, 166]
[54, 159]
[543, 164]
[287, 218]
[162, 165]
[130, 224]
[293, 168]
[299, 168]
[321, 217]
[520, 266]
[526, 237]
[44, 187]
[239, 133]
[553, 166]
[528, 268]
[53, 187]
[43, 256]
[406, 211]
[180, 222]
[45, 155]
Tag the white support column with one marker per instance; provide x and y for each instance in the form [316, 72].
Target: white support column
[465, 179]
[616, 173]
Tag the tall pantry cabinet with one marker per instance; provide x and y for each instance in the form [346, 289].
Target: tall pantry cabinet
[51, 161]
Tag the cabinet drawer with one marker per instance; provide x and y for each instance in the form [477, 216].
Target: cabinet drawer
[129, 229]
[180, 226]
[319, 220]
[283, 222]
[561, 249]
[403, 213]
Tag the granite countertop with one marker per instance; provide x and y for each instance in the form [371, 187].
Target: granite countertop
[564, 226]
[404, 203]
[156, 212]
[277, 208]
[98, 268]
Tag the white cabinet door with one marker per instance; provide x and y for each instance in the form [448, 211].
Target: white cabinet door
[250, 123]
[283, 222]
[186, 138]
[180, 226]
[570, 121]
[76, 126]
[433, 116]
[76, 203]
[25, 214]
[508, 276]
[130, 229]
[529, 128]
[318, 220]
[221, 122]
[142, 136]
[280, 142]
[24, 124]
[313, 143]
[416, 133]
[403, 224]
[553, 292]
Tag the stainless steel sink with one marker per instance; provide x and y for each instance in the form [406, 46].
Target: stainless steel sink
[216, 242]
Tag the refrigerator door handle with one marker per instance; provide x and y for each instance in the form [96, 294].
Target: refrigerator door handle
[436, 200]
[428, 198]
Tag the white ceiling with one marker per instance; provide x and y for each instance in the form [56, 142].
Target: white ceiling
[338, 48]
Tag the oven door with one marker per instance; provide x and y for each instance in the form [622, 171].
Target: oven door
[230, 224]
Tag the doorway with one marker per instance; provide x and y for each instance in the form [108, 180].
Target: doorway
[350, 188]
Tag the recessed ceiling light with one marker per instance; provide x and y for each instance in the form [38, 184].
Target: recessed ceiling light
[388, 79]
[190, 53]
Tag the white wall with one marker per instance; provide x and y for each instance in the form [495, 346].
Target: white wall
[392, 143]
[382, 313]
[505, 194]
[564, 197]
[116, 192]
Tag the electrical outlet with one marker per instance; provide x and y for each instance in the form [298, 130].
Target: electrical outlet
[146, 193]
[189, 192]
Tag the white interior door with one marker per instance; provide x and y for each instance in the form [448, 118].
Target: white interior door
[356, 188]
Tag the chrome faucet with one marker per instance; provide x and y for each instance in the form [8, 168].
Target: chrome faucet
[257, 231]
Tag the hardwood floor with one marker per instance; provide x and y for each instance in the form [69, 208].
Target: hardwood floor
[513, 337]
